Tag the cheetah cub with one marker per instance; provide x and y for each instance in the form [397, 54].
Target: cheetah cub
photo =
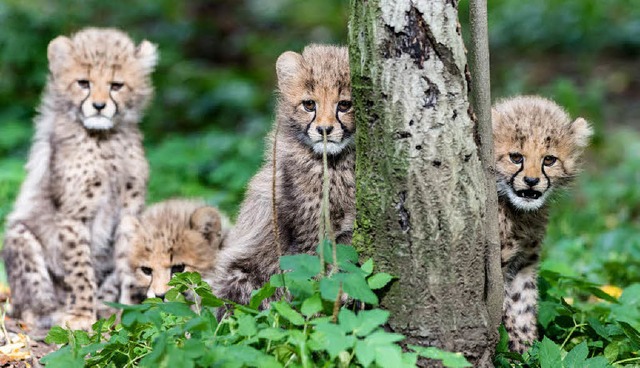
[169, 237]
[314, 98]
[86, 168]
[537, 150]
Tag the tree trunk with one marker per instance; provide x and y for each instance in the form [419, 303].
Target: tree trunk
[421, 188]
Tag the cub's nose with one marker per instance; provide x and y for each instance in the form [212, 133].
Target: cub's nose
[160, 296]
[531, 181]
[324, 129]
[99, 105]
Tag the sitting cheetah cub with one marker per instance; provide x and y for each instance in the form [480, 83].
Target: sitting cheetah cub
[537, 150]
[169, 237]
[315, 98]
[86, 168]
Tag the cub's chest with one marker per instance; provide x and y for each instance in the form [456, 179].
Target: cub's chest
[100, 168]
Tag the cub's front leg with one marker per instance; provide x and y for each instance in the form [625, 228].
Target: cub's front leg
[520, 308]
[79, 275]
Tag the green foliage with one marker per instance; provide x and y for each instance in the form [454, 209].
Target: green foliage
[300, 329]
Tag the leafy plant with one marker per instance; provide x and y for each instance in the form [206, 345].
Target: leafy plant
[302, 328]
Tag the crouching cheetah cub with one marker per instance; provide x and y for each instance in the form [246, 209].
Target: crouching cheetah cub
[537, 150]
[86, 168]
[169, 237]
[315, 99]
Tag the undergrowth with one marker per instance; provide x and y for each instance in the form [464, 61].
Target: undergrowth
[302, 329]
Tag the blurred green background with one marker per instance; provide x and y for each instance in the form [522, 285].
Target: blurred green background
[214, 99]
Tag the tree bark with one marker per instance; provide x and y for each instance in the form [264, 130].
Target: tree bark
[421, 188]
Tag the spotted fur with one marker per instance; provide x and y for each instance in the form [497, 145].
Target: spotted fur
[320, 74]
[537, 151]
[86, 168]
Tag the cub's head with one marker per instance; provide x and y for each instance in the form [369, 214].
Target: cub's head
[315, 97]
[170, 237]
[537, 149]
[100, 76]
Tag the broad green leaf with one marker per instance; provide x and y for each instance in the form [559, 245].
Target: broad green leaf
[364, 353]
[389, 356]
[300, 265]
[379, 280]
[332, 338]
[247, 325]
[311, 305]
[576, 357]
[57, 335]
[356, 287]
[550, 355]
[369, 320]
[261, 294]
[344, 253]
[367, 267]
[287, 312]
[271, 333]
[329, 288]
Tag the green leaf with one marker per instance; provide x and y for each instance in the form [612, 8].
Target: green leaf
[273, 334]
[287, 312]
[344, 253]
[332, 338]
[577, 356]
[63, 357]
[356, 287]
[379, 280]
[449, 359]
[311, 305]
[302, 266]
[389, 356]
[266, 291]
[364, 353]
[550, 356]
[247, 325]
[57, 335]
[367, 267]
[329, 288]
[503, 344]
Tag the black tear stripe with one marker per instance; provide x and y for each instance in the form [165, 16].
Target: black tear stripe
[545, 175]
[346, 133]
[513, 177]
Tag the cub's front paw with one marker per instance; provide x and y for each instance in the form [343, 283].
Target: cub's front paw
[78, 321]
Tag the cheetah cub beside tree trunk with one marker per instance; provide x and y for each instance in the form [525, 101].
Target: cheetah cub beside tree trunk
[86, 168]
[169, 237]
[537, 150]
[315, 98]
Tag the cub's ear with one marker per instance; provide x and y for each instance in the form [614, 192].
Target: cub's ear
[206, 221]
[287, 66]
[581, 131]
[59, 53]
[147, 54]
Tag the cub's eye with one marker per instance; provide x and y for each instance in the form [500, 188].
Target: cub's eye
[344, 106]
[177, 268]
[146, 270]
[516, 158]
[116, 86]
[309, 105]
[549, 160]
[83, 83]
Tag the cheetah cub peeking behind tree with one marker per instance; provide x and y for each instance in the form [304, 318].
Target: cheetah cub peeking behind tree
[169, 237]
[86, 168]
[314, 99]
[537, 150]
